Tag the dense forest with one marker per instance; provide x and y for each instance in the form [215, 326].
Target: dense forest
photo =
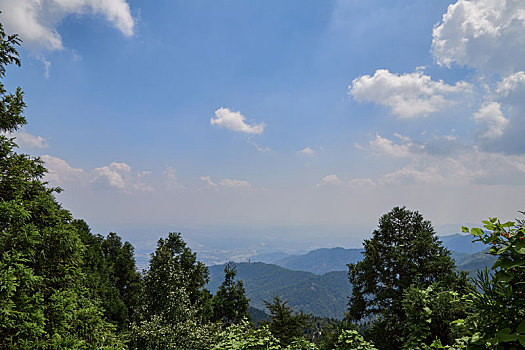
[64, 287]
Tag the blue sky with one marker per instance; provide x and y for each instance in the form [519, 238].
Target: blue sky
[274, 120]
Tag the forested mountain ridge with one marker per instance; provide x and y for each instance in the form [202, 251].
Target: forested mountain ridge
[319, 295]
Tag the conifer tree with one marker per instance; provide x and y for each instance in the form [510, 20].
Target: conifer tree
[44, 301]
[230, 304]
[285, 324]
[176, 307]
[403, 251]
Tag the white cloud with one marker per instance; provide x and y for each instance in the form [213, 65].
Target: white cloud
[411, 175]
[407, 95]
[511, 84]
[60, 172]
[484, 34]
[36, 21]
[27, 140]
[112, 175]
[307, 150]
[491, 114]
[331, 179]
[115, 175]
[235, 121]
[230, 183]
[383, 145]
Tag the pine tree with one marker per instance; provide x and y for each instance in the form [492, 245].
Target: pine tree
[176, 307]
[44, 302]
[403, 251]
[285, 324]
[230, 304]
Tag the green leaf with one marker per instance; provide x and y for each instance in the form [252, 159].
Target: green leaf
[505, 336]
[476, 338]
[465, 229]
[520, 246]
[521, 327]
[476, 231]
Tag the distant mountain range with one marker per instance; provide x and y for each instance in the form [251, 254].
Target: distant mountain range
[317, 282]
[325, 260]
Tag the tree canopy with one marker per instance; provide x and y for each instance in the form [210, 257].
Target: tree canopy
[45, 302]
[403, 250]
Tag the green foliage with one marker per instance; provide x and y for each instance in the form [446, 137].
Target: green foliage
[301, 344]
[111, 274]
[244, 336]
[45, 304]
[429, 315]
[230, 304]
[352, 340]
[330, 334]
[286, 325]
[404, 250]
[498, 317]
[175, 306]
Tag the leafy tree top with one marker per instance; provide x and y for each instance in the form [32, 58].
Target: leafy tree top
[403, 250]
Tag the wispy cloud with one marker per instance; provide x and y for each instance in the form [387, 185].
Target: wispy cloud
[228, 183]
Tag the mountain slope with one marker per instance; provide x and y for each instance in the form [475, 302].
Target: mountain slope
[323, 260]
[462, 243]
[324, 295]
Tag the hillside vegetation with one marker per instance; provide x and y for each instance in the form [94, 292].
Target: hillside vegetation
[324, 296]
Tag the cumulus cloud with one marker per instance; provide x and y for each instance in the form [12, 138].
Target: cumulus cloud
[444, 160]
[235, 121]
[112, 174]
[36, 21]
[386, 146]
[483, 34]
[115, 175]
[307, 150]
[407, 95]
[491, 114]
[27, 140]
[60, 172]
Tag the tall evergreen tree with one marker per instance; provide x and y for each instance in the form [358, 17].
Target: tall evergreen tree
[285, 324]
[111, 274]
[230, 304]
[176, 307]
[404, 250]
[45, 304]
